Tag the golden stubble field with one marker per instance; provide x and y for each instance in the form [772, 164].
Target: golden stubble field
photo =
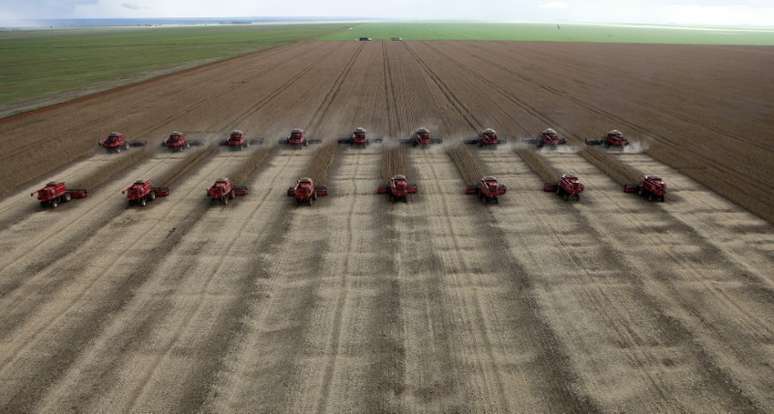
[443, 304]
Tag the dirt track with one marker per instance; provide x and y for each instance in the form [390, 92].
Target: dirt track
[610, 304]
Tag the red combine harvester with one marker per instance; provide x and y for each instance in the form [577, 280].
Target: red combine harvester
[54, 194]
[306, 192]
[650, 188]
[116, 142]
[298, 139]
[397, 188]
[224, 190]
[487, 189]
[359, 138]
[568, 187]
[177, 141]
[421, 138]
[142, 192]
[486, 138]
[238, 140]
[614, 138]
[547, 138]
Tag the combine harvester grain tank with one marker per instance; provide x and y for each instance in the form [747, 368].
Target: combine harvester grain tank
[237, 139]
[178, 141]
[306, 191]
[613, 139]
[297, 139]
[359, 138]
[422, 137]
[397, 188]
[548, 138]
[140, 193]
[486, 138]
[650, 188]
[224, 190]
[569, 187]
[117, 142]
[56, 193]
[488, 190]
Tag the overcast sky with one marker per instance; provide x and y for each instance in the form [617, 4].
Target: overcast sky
[716, 12]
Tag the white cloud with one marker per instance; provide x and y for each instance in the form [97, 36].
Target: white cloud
[719, 12]
[555, 5]
[719, 15]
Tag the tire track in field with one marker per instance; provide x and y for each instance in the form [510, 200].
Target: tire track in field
[500, 393]
[458, 106]
[285, 263]
[510, 97]
[341, 301]
[100, 373]
[562, 390]
[228, 330]
[82, 235]
[431, 376]
[393, 120]
[554, 352]
[754, 324]
[319, 114]
[51, 284]
[692, 210]
[55, 363]
[461, 109]
[253, 109]
[78, 237]
[190, 107]
[657, 84]
[724, 382]
[628, 339]
[661, 139]
[12, 281]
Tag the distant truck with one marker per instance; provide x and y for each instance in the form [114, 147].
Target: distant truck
[364, 39]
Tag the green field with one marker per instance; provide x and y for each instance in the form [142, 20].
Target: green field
[36, 64]
[552, 33]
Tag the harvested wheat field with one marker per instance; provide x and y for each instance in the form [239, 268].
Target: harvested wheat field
[443, 304]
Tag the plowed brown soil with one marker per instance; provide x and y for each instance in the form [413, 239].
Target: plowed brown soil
[613, 304]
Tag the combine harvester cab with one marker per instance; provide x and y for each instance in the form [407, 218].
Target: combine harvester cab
[297, 139]
[397, 188]
[613, 139]
[486, 138]
[548, 138]
[650, 188]
[422, 138]
[141, 193]
[178, 141]
[238, 140]
[117, 142]
[359, 138]
[224, 190]
[487, 189]
[568, 187]
[306, 191]
[54, 194]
